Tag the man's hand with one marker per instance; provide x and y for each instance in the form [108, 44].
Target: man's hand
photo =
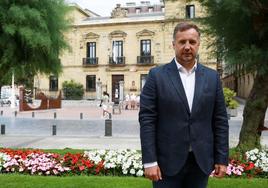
[153, 173]
[220, 170]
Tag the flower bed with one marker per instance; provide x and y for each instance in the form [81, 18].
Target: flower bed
[253, 163]
[111, 162]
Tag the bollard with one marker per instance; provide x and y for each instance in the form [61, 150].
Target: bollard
[2, 112]
[108, 126]
[54, 130]
[15, 113]
[3, 129]
[81, 115]
[55, 115]
[32, 114]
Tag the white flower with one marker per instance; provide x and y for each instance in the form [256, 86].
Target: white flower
[259, 157]
[124, 172]
[132, 171]
[139, 173]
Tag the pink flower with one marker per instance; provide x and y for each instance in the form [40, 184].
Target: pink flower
[55, 171]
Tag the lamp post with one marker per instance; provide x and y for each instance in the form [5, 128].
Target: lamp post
[12, 105]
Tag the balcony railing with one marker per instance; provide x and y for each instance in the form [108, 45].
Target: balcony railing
[88, 61]
[145, 60]
[117, 61]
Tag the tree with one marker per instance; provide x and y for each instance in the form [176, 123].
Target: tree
[240, 29]
[31, 37]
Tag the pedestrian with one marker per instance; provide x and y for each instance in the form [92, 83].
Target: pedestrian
[105, 104]
[127, 102]
[183, 119]
[132, 101]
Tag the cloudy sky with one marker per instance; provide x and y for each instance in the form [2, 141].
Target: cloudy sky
[104, 7]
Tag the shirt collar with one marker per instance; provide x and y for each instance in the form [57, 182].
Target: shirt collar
[182, 69]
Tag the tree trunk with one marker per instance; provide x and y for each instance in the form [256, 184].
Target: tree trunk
[254, 115]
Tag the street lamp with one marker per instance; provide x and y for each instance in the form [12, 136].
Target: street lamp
[12, 105]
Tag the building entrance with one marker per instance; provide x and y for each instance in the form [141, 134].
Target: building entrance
[115, 86]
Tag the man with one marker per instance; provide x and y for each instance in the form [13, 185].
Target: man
[183, 120]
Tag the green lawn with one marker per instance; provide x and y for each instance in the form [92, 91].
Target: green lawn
[21, 181]
[64, 151]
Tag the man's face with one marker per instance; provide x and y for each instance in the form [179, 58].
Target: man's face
[186, 46]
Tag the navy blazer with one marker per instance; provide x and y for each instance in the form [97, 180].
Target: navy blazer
[168, 128]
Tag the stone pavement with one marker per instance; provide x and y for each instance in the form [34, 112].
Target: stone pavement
[25, 131]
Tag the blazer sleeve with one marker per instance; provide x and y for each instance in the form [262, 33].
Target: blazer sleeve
[148, 118]
[220, 127]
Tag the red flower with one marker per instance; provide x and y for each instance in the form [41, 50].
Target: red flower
[74, 159]
[81, 168]
[87, 163]
[250, 166]
[55, 155]
[99, 167]
[22, 153]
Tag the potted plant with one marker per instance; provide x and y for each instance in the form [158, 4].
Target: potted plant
[230, 102]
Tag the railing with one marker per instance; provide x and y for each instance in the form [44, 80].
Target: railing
[145, 60]
[117, 60]
[88, 61]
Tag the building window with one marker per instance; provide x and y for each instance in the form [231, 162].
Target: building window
[151, 9]
[190, 11]
[138, 10]
[91, 49]
[143, 80]
[145, 47]
[91, 53]
[145, 53]
[53, 83]
[91, 83]
[118, 52]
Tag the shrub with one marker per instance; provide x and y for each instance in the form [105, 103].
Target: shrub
[229, 98]
[72, 90]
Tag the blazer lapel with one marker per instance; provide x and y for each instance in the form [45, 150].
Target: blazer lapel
[199, 85]
[174, 76]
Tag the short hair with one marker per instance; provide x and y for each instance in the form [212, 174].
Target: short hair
[183, 27]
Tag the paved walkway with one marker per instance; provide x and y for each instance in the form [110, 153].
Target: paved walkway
[25, 131]
[71, 111]
[22, 130]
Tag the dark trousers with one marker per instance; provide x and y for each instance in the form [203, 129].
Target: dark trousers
[190, 176]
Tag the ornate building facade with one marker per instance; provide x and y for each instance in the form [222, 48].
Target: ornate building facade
[115, 53]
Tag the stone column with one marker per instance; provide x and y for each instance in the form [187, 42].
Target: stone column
[121, 90]
[99, 90]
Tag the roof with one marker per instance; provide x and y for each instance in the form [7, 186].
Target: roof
[130, 18]
[86, 12]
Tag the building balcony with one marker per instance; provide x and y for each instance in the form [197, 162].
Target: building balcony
[145, 60]
[118, 61]
[88, 61]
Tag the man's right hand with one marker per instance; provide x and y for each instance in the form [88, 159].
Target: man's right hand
[153, 173]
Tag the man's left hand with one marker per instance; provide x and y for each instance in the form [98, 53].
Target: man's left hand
[220, 170]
